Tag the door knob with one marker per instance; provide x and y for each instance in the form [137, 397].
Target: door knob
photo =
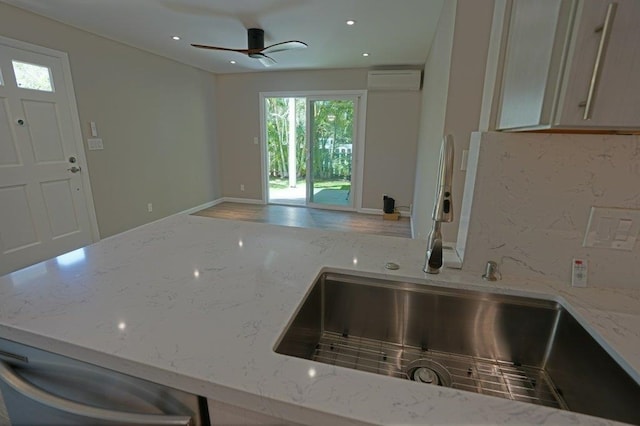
[75, 169]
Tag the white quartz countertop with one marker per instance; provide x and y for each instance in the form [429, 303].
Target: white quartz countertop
[199, 303]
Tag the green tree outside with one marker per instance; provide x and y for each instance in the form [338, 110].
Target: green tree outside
[332, 128]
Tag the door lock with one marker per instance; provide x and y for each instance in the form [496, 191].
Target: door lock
[75, 169]
[72, 160]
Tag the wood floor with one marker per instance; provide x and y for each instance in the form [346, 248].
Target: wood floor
[304, 217]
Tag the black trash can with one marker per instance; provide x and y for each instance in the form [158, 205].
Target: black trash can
[389, 204]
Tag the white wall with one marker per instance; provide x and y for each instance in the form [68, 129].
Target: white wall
[391, 131]
[435, 92]
[466, 83]
[391, 147]
[452, 97]
[532, 199]
[156, 117]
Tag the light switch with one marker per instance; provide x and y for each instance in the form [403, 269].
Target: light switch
[95, 144]
[625, 225]
[94, 129]
[605, 227]
[612, 228]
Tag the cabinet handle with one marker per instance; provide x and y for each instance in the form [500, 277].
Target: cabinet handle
[597, 67]
[27, 390]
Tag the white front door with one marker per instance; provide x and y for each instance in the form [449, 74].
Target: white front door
[44, 210]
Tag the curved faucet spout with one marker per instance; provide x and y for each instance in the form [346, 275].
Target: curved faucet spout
[442, 209]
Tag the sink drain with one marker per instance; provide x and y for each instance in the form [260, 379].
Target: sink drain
[427, 371]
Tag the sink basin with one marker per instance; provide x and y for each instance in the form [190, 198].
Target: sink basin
[520, 348]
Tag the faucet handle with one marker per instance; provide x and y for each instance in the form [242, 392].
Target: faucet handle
[443, 207]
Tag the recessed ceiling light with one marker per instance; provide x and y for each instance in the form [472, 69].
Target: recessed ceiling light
[351, 22]
[175, 38]
[232, 62]
[365, 54]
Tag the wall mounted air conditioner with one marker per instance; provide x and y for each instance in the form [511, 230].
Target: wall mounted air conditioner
[394, 80]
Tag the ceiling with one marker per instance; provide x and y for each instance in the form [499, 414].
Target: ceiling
[393, 32]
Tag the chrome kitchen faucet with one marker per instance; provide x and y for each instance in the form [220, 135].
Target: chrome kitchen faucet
[442, 210]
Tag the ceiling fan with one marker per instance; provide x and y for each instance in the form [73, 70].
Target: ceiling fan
[256, 48]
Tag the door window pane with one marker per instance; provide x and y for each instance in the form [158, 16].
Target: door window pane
[331, 151]
[30, 76]
[285, 124]
[1, 79]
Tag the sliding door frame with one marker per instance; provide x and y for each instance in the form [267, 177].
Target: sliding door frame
[359, 139]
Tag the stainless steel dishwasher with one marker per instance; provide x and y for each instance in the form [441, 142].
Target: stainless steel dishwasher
[42, 388]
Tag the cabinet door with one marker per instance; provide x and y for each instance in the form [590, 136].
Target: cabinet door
[538, 32]
[616, 95]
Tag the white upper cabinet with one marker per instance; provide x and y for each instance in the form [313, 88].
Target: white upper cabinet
[572, 64]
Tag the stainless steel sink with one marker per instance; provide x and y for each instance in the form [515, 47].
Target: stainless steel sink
[525, 349]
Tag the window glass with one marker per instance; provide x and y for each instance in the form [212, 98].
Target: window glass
[1, 80]
[30, 76]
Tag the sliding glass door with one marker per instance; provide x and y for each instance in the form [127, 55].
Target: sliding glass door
[311, 149]
[285, 125]
[331, 146]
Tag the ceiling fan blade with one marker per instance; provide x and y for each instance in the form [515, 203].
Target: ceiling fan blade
[204, 46]
[264, 59]
[285, 45]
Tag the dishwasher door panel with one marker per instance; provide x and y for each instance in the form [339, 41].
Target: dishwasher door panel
[41, 388]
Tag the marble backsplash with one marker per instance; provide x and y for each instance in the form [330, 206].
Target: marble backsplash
[530, 195]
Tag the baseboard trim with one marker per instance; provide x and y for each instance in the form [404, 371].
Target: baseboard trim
[379, 212]
[201, 206]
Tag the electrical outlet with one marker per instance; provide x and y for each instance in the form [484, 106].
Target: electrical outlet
[242, 187]
[612, 228]
[149, 207]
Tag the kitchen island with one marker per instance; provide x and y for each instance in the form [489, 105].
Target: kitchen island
[198, 304]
